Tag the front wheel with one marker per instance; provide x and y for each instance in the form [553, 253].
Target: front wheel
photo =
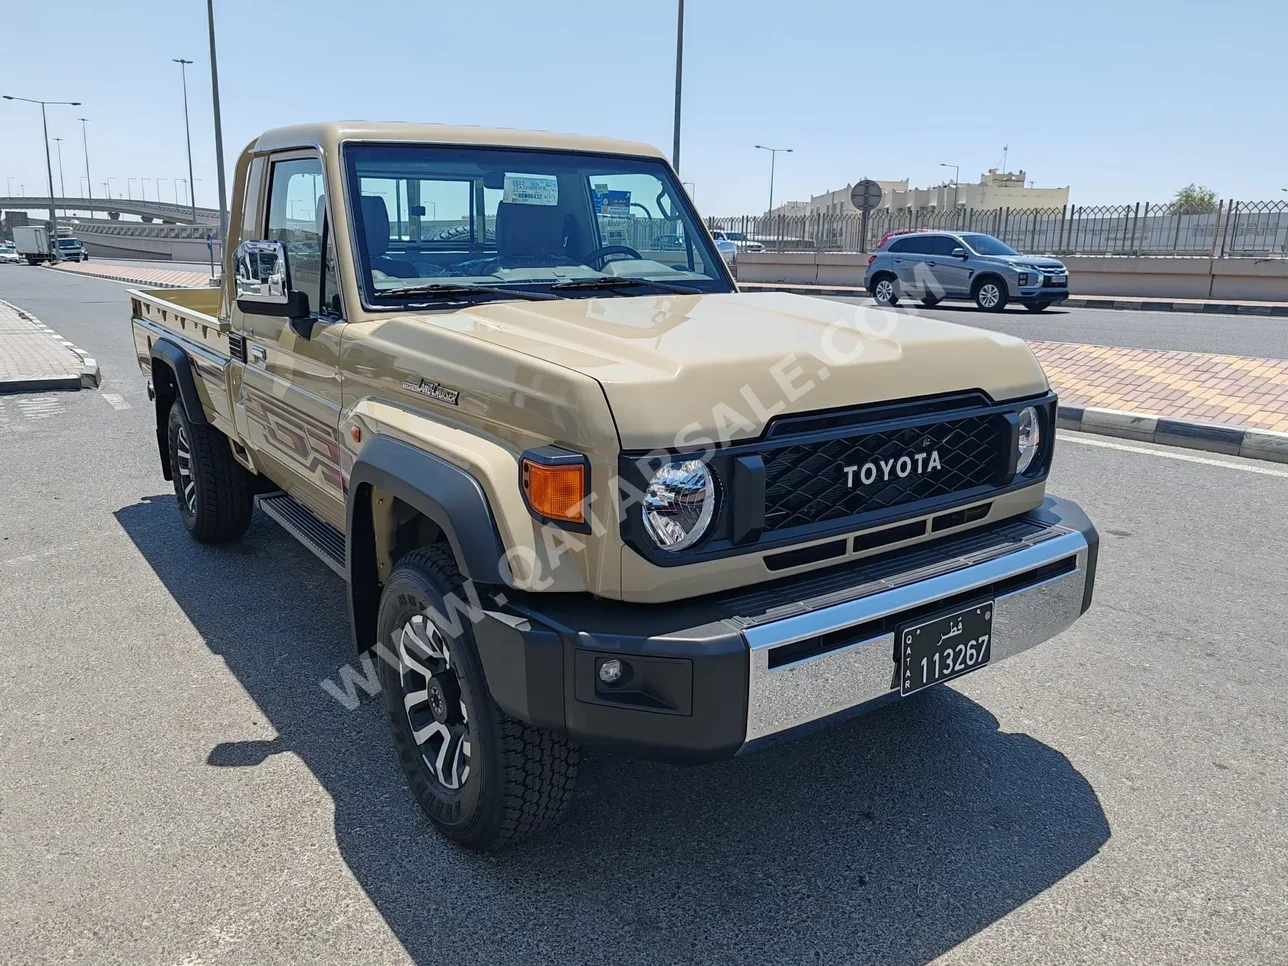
[1037, 306]
[885, 291]
[484, 778]
[990, 296]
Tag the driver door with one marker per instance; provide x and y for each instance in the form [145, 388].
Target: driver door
[288, 401]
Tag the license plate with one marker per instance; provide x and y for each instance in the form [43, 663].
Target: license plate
[1058, 280]
[945, 647]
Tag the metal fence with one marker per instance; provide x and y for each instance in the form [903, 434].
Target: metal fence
[1257, 229]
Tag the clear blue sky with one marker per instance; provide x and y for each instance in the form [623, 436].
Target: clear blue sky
[1123, 101]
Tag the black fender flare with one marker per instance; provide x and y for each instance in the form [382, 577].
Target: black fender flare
[445, 493]
[173, 356]
[169, 354]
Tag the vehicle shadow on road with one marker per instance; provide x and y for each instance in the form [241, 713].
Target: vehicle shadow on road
[889, 839]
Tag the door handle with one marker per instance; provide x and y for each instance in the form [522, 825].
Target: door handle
[257, 354]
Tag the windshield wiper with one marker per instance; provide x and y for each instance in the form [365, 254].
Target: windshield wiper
[455, 291]
[610, 282]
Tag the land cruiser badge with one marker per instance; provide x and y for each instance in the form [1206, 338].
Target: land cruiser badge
[434, 390]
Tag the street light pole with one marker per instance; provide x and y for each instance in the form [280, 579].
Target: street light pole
[143, 183]
[957, 170]
[679, 77]
[129, 187]
[49, 166]
[62, 187]
[219, 132]
[187, 128]
[8, 185]
[89, 180]
[773, 157]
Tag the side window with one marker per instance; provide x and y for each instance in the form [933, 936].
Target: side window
[916, 245]
[898, 245]
[297, 218]
[942, 244]
[637, 211]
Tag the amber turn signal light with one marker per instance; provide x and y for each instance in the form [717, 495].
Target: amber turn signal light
[556, 491]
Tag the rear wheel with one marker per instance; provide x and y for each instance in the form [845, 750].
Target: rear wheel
[484, 778]
[1037, 306]
[885, 290]
[216, 493]
[990, 295]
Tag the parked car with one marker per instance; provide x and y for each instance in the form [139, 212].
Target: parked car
[740, 241]
[937, 265]
[727, 249]
[508, 454]
[9, 257]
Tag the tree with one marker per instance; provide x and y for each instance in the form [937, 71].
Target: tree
[1194, 199]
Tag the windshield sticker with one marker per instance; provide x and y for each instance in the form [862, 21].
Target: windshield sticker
[531, 189]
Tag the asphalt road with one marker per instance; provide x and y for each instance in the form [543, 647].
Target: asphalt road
[1242, 335]
[177, 787]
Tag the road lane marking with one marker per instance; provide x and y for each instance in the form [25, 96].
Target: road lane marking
[115, 400]
[1185, 457]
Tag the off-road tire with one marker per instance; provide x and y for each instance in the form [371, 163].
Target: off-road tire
[1037, 306]
[521, 778]
[983, 301]
[879, 290]
[223, 494]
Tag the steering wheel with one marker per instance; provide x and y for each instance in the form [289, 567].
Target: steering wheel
[600, 253]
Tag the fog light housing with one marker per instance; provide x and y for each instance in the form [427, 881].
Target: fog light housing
[611, 671]
[1024, 278]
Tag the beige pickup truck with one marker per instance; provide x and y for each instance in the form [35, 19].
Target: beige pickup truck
[581, 490]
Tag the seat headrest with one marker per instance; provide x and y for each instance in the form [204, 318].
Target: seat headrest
[375, 225]
[528, 229]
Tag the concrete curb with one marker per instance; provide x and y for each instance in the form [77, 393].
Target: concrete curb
[90, 377]
[1075, 302]
[1257, 444]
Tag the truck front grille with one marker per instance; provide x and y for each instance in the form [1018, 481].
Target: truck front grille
[808, 483]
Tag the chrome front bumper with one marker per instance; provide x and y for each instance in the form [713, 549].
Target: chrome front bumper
[1041, 584]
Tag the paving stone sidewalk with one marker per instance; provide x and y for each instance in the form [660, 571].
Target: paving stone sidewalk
[35, 358]
[1230, 390]
[153, 277]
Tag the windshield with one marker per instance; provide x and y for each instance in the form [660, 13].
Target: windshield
[988, 245]
[68, 243]
[451, 216]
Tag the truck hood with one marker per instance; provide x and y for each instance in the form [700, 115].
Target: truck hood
[681, 370]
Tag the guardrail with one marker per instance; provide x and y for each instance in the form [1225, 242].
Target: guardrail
[1227, 229]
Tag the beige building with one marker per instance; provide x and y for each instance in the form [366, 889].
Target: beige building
[996, 189]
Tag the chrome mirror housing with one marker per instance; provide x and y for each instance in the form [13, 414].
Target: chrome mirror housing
[260, 270]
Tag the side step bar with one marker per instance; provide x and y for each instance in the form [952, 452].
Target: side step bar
[326, 542]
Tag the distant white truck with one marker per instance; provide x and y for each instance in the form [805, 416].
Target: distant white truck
[32, 243]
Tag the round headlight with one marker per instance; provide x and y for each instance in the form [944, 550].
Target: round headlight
[1030, 438]
[679, 504]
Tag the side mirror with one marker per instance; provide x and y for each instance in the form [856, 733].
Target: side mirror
[958, 253]
[261, 274]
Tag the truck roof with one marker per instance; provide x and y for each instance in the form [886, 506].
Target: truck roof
[330, 134]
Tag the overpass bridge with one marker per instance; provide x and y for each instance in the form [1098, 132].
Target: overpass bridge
[113, 207]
